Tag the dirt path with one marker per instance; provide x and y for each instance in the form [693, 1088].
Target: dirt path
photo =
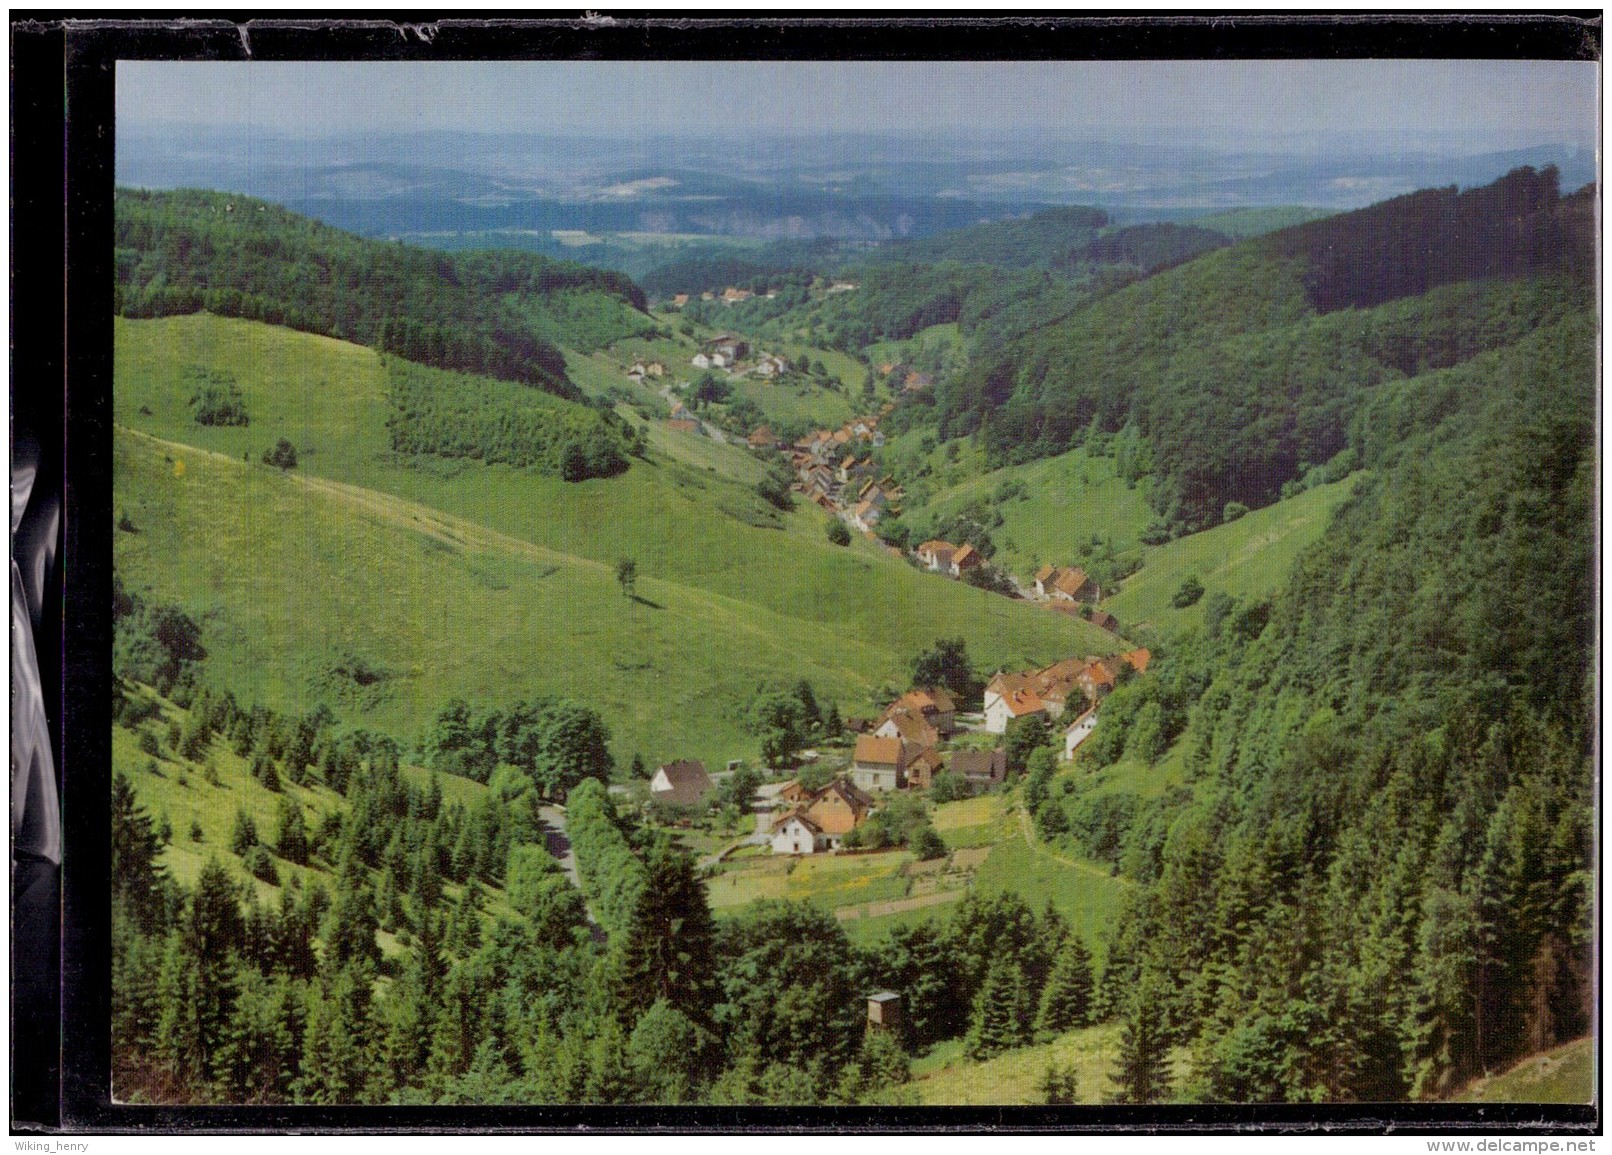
[896, 906]
[1086, 867]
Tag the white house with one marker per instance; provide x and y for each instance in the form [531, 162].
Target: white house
[1079, 730]
[701, 361]
[1004, 705]
[878, 763]
[797, 834]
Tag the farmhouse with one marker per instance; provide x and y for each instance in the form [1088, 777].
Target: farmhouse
[1105, 620]
[935, 706]
[729, 346]
[795, 833]
[819, 819]
[762, 438]
[908, 725]
[936, 555]
[979, 767]
[965, 559]
[683, 783]
[1006, 707]
[1078, 731]
[879, 763]
[922, 769]
[1069, 585]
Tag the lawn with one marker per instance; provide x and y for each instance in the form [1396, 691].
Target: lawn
[1013, 1077]
[1564, 1075]
[1087, 893]
[830, 880]
[1248, 558]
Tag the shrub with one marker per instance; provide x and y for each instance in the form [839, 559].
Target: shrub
[217, 399]
[838, 533]
[1234, 510]
[282, 456]
[949, 787]
[1189, 593]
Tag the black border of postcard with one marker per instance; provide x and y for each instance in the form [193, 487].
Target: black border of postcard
[73, 61]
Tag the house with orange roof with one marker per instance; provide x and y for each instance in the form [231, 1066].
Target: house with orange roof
[922, 769]
[879, 763]
[762, 438]
[965, 559]
[1065, 584]
[818, 820]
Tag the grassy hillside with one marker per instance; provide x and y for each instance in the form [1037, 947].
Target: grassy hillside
[1248, 558]
[1068, 500]
[455, 576]
[1013, 1078]
[1564, 1075]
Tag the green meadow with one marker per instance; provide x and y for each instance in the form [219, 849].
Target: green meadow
[1564, 1075]
[1247, 558]
[494, 583]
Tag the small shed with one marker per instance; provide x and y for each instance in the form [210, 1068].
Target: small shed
[884, 1011]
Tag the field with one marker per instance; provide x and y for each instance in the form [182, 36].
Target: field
[1564, 1075]
[945, 1076]
[493, 583]
[1248, 558]
[1070, 498]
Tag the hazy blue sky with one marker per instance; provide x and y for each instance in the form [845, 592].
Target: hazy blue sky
[1499, 101]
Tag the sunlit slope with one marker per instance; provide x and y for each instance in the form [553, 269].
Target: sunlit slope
[493, 583]
[1248, 558]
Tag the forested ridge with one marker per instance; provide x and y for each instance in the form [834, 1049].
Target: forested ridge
[501, 314]
[1243, 368]
[1381, 881]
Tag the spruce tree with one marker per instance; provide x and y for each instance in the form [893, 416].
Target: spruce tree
[999, 1014]
[1066, 999]
[1143, 1075]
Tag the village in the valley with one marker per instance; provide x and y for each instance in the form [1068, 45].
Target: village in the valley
[926, 732]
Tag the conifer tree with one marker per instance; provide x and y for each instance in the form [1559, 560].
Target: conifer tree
[1066, 999]
[999, 1014]
[1143, 1075]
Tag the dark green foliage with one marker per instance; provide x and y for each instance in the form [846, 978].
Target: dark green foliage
[1143, 1074]
[926, 843]
[259, 864]
[949, 787]
[137, 879]
[451, 415]
[1189, 593]
[540, 892]
[613, 877]
[1149, 247]
[217, 399]
[775, 486]
[670, 1056]
[663, 953]
[946, 664]
[1228, 369]
[1059, 1086]
[1066, 1002]
[291, 832]
[494, 313]
[1025, 736]
[1001, 1010]
[627, 576]
[557, 743]
[156, 644]
[839, 533]
[243, 834]
[282, 455]
[787, 988]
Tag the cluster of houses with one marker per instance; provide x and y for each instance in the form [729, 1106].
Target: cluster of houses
[834, 470]
[1057, 691]
[729, 352]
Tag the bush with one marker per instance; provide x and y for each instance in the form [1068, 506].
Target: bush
[949, 787]
[217, 399]
[926, 843]
[838, 533]
[282, 456]
[1189, 593]
[1234, 510]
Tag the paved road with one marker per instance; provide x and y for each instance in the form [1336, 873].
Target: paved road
[559, 845]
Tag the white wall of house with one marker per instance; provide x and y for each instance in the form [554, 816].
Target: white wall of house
[875, 777]
[1078, 733]
[794, 837]
[887, 730]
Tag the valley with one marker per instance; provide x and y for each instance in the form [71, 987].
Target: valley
[958, 681]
